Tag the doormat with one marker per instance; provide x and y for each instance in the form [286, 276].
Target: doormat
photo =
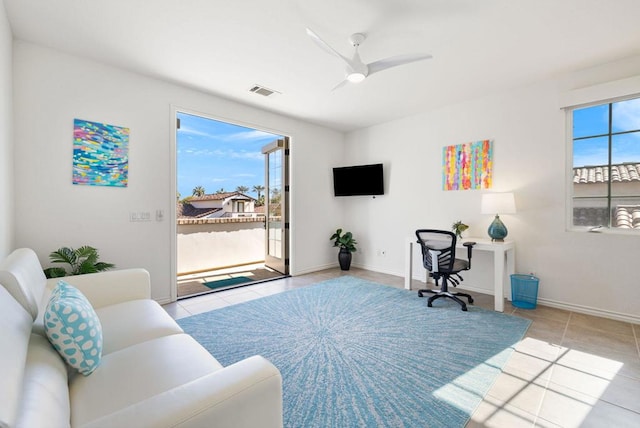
[227, 282]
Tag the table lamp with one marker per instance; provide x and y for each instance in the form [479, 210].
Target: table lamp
[498, 203]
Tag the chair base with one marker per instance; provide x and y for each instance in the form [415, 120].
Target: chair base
[443, 293]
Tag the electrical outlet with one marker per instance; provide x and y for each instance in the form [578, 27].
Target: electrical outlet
[140, 216]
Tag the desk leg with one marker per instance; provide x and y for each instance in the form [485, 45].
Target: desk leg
[408, 265]
[511, 269]
[498, 279]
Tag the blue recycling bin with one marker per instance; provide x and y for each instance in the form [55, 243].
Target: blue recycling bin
[524, 291]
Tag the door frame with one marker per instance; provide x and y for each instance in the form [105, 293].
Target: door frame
[282, 262]
[173, 184]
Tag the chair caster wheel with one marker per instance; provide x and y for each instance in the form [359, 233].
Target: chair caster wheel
[429, 304]
[420, 294]
[470, 300]
[464, 308]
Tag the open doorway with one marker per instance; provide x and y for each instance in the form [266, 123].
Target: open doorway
[232, 205]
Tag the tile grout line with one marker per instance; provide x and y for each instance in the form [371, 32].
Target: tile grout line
[548, 380]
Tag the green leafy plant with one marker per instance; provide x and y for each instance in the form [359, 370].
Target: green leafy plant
[344, 241]
[458, 227]
[81, 261]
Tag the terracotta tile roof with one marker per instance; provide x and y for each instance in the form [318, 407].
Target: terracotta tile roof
[627, 216]
[218, 196]
[186, 210]
[625, 172]
[624, 216]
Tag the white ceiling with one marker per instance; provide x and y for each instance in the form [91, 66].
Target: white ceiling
[224, 47]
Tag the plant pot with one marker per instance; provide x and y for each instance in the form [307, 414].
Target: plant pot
[344, 258]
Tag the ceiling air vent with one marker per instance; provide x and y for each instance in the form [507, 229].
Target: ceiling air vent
[261, 90]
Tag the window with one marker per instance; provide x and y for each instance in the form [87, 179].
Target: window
[606, 165]
[240, 206]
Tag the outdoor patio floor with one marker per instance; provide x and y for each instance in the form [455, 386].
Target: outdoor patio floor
[194, 284]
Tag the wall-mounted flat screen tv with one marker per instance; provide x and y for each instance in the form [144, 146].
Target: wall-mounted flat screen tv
[358, 180]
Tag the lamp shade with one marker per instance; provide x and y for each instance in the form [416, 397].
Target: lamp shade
[498, 203]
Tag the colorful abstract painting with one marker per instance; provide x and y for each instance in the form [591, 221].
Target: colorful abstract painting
[467, 166]
[100, 154]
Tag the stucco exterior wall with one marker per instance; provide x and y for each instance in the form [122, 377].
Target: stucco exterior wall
[208, 244]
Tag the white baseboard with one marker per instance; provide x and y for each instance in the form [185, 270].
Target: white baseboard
[375, 269]
[314, 269]
[634, 319]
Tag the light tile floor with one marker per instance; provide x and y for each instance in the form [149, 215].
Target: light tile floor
[570, 370]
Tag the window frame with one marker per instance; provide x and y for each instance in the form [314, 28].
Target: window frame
[570, 198]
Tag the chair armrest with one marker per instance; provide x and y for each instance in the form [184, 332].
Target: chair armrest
[469, 246]
[246, 394]
[111, 287]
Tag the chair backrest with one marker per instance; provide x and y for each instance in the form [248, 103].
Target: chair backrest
[438, 249]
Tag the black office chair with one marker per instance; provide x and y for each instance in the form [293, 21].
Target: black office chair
[439, 258]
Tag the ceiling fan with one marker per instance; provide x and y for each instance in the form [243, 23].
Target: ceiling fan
[356, 70]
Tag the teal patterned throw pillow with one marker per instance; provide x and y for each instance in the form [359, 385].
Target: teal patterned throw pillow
[73, 328]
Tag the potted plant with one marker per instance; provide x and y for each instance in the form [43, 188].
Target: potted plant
[81, 261]
[458, 227]
[347, 245]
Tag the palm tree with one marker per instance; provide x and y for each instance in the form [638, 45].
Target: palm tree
[220, 190]
[242, 189]
[198, 191]
[258, 189]
[275, 196]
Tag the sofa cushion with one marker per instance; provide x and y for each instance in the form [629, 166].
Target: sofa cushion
[15, 331]
[136, 321]
[136, 373]
[21, 274]
[73, 328]
[45, 397]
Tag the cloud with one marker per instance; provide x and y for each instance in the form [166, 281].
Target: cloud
[249, 136]
[191, 131]
[626, 115]
[221, 154]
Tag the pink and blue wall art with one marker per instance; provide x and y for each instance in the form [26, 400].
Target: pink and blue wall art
[467, 166]
[100, 154]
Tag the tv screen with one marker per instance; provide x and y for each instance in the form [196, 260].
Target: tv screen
[358, 180]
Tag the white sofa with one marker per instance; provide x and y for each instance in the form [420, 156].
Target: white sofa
[152, 374]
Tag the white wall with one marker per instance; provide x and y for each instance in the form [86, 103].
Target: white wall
[586, 272]
[6, 146]
[52, 88]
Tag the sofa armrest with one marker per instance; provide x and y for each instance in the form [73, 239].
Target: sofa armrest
[246, 394]
[111, 287]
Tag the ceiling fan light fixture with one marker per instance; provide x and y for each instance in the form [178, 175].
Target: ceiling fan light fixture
[355, 77]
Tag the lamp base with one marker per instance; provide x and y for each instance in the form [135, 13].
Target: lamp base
[497, 230]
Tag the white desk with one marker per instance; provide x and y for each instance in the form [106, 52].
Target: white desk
[504, 255]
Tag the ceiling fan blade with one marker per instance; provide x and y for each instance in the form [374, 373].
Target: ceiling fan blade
[324, 46]
[340, 85]
[395, 61]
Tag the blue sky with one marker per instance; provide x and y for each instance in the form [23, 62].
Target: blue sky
[594, 121]
[218, 155]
